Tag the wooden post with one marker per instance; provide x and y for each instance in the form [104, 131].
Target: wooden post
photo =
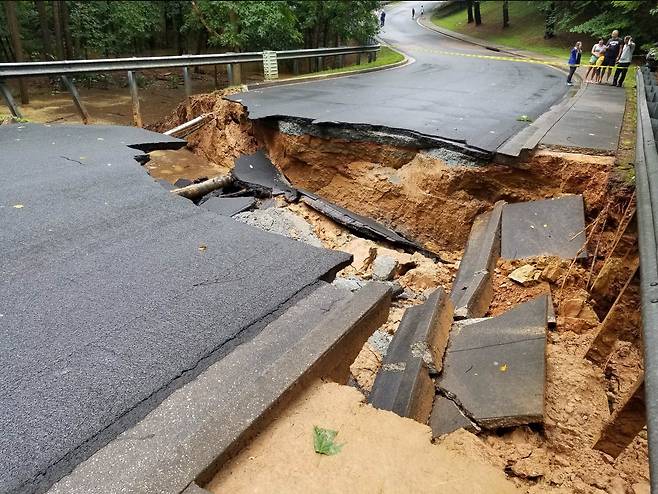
[295, 66]
[76, 99]
[341, 61]
[17, 45]
[358, 59]
[626, 422]
[132, 84]
[215, 76]
[187, 81]
[606, 335]
[319, 62]
[9, 99]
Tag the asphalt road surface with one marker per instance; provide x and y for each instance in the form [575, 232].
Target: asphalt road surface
[476, 101]
[114, 292]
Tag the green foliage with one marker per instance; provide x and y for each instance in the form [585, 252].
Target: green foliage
[324, 441]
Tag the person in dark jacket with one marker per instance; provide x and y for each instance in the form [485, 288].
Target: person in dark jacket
[382, 18]
[574, 61]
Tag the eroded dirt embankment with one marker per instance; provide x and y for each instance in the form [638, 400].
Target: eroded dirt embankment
[420, 195]
[435, 201]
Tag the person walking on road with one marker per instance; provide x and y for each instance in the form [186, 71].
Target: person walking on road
[597, 49]
[624, 61]
[382, 18]
[574, 61]
[612, 53]
[413, 13]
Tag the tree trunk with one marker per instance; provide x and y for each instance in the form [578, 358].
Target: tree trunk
[57, 23]
[469, 10]
[505, 13]
[15, 34]
[67, 31]
[549, 29]
[45, 33]
[476, 12]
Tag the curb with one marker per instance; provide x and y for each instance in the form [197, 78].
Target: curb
[321, 77]
[182, 443]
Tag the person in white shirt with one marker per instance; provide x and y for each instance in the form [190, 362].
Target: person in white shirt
[624, 61]
[597, 49]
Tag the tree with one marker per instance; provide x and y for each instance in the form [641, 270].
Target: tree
[57, 24]
[505, 13]
[476, 11]
[45, 32]
[17, 45]
[469, 10]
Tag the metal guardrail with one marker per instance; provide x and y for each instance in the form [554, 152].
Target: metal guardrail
[63, 68]
[646, 178]
[66, 67]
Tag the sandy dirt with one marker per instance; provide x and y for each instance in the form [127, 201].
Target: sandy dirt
[374, 457]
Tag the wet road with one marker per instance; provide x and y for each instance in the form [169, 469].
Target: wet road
[471, 100]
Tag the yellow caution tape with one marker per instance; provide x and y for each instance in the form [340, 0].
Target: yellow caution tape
[508, 59]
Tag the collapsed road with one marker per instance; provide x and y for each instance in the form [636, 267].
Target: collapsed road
[114, 292]
[473, 103]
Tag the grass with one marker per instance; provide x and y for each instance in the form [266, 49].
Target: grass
[386, 56]
[626, 147]
[525, 32]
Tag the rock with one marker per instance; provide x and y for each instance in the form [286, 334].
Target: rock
[383, 268]
[617, 486]
[641, 488]
[571, 307]
[364, 253]
[365, 367]
[553, 271]
[379, 341]
[351, 284]
[535, 465]
[397, 290]
[526, 275]
[282, 222]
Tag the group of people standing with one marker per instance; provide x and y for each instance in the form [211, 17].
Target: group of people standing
[615, 54]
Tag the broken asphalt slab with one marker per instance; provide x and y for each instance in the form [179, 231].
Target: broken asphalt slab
[495, 369]
[362, 225]
[472, 290]
[403, 384]
[549, 227]
[228, 206]
[114, 292]
[446, 417]
[191, 434]
[256, 172]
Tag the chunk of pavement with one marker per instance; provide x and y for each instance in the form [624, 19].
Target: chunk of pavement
[257, 172]
[182, 182]
[384, 267]
[446, 417]
[352, 284]
[366, 227]
[550, 227]
[472, 289]
[525, 275]
[495, 368]
[208, 420]
[282, 222]
[403, 384]
[228, 206]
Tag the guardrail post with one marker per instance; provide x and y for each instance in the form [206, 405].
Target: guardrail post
[319, 63]
[295, 67]
[374, 56]
[341, 61]
[187, 81]
[9, 99]
[234, 74]
[76, 99]
[358, 59]
[132, 84]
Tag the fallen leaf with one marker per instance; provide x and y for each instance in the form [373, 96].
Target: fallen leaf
[324, 441]
[18, 206]
[503, 368]
[203, 247]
